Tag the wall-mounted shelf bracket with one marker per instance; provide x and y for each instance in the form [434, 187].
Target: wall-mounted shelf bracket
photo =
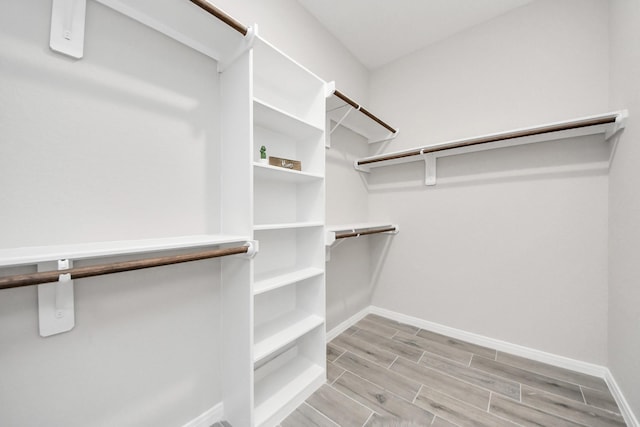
[247, 43]
[619, 124]
[56, 311]
[429, 169]
[67, 27]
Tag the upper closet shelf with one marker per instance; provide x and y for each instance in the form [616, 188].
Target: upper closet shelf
[189, 22]
[39, 254]
[607, 124]
[346, 112]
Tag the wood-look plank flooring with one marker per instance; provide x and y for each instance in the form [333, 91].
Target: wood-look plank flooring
[383, 373]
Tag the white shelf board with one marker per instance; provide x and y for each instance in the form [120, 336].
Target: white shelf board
[279, 332]
[275, 119]
[502, 140]
[38, 254]
[264, 227]
[356, 121]
[274, 173]
[277, 390]
[275, 280]
[185, 22]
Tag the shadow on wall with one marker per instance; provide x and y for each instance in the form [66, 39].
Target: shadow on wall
[571, 157]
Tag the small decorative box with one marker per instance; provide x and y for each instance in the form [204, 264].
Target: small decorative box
[285, 163]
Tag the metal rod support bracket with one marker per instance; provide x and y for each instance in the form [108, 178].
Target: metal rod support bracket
[56, 311]
[67, 27]
[253, 248]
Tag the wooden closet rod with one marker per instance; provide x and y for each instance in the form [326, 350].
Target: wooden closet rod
[222, 16]
[364, 111]
[494, 138]
[354, 233]
[116, 267]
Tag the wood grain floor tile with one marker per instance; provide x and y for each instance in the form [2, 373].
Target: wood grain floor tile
[393, 324]
[392, 346]
[553, 371]
[458, 344]
[389, 380]
[333, 372]
[525, 415]
[455, 411]
[480, 378]
[441, 422]
[600, 399]
[376, 327]
[440, 349]
[351, 330]
[306, 416]
[364, 349]
[446, 384]
[341, 409]
[380, 400]
[532, 379]
[570, 409]
[333, 352]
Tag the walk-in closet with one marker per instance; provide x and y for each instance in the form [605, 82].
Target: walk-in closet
[298, 213]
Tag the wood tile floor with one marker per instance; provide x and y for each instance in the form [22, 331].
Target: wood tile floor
[380, 371]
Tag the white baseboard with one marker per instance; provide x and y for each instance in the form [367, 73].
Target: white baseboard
[208, 418]
[507, 347]
[625, 409]
[347, 323]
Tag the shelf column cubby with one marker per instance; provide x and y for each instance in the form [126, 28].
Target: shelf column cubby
[288, 221]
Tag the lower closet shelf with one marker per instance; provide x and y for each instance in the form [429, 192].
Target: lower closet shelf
[297, 377]
[279, 332]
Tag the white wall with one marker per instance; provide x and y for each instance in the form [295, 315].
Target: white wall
[511, 244]
[624, 205]
[119, 145]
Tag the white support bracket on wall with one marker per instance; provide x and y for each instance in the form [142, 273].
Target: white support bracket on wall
[253, 248]
[429, 169]
[247, 43]
[56, 311]
[67, 27]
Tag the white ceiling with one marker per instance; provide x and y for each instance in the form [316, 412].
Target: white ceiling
[380, 31]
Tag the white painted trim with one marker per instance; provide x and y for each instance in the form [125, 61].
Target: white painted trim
[625, 409]
[507, 347]
[208, 418]
[348, 323]
[530, 353]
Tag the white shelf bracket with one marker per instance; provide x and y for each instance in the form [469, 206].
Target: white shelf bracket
[56, 311]
[620, 123]
[359, 168]
[67, 27]
[254, 248]
[429, 168]
[390, 137]
[339, 122]
[247, 43]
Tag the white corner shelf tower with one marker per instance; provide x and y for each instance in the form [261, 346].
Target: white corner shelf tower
[273, 304]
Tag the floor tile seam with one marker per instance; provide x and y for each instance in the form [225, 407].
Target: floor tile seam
[582, 394]
[449, 396]
[472, 384]
[555, 377]
[598, 407]
[338, 377]
[321, 414]
[529, 385]
[545, 412]
[382, 386]
[348, 397]
[375, 346]
[367, 420]
[494, 350]
[574, 401]
[440, 344]
[388, 338]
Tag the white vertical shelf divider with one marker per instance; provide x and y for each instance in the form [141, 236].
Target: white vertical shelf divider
[288, 220]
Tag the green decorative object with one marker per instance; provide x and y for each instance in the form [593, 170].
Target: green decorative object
[263, 152]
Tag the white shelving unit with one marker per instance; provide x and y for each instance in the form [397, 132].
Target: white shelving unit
[288, 212]
[273, 306]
